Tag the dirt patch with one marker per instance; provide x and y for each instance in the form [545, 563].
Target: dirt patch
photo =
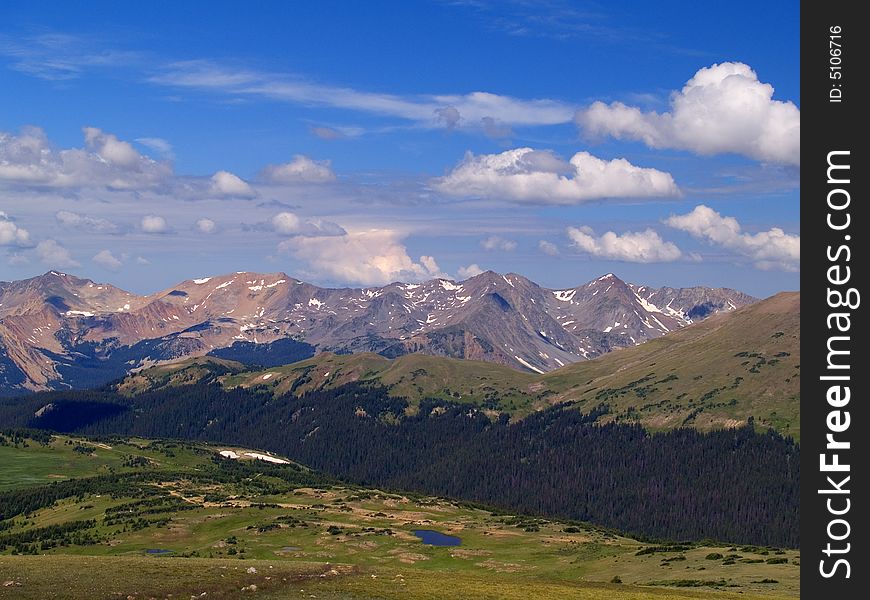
[502, 533]
[663, 421]
[501, 567]
[319, 494]
[405, 536]
[464, 553]
[574, 539]
[408, 558]
[97, 444]
[393, 502]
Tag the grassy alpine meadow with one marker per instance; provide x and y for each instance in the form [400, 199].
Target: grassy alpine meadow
[135, 518]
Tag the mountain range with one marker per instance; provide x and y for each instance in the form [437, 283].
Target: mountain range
[58, 331]
[716, 374]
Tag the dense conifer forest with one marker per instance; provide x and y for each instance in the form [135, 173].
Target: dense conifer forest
[735, 485]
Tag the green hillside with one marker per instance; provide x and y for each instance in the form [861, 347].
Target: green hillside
[717, 373]
[222, 528]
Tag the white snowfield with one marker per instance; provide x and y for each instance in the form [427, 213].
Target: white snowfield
[255, 455]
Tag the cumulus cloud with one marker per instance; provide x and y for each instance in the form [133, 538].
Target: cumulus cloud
[224, 183]
[106, 259]
[105, 161]
[300, 170]
[469, 271]
[288, 223]
[548, 247]
[154, 224]
[527, 175]
[53, 254]
[495, 242]
[772, 249]
[430, 265]
[206, 226]
[374, 257]
[639, 247]
[11, 234]
[109, 148]
[74, 220]
[724, 108]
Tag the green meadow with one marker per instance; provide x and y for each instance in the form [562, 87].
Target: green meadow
[170, 520]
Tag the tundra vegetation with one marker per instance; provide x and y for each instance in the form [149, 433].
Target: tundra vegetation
[149, 518]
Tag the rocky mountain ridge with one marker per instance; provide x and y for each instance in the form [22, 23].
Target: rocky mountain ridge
[58, 331]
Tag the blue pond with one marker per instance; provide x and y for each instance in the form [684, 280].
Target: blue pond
[436, 538]
[158, 551]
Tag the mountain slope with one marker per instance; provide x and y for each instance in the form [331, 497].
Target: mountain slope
[58, 331]
[713, 374]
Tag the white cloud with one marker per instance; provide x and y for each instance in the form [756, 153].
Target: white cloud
[469, 271]
[527, 175]
[430, 265]
[429, 110]
[206, 226]
[163, 147]
[639, 247]
[224, 183]
[109, 148]
[59, 57]
[141, 260]
[373, 257]
[106, 259]
[548, 248]
[287, 223]
[724, 108]
[154, 224]
[300, 170]
[494, 129]
[495, 242]
[11, 234]
[71, 219]
[772, 249]
[29, 159]
[54, 255]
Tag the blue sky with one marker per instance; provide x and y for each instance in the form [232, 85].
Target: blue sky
[356, 144]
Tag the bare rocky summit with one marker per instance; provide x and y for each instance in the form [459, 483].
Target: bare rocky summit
[59, 331]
